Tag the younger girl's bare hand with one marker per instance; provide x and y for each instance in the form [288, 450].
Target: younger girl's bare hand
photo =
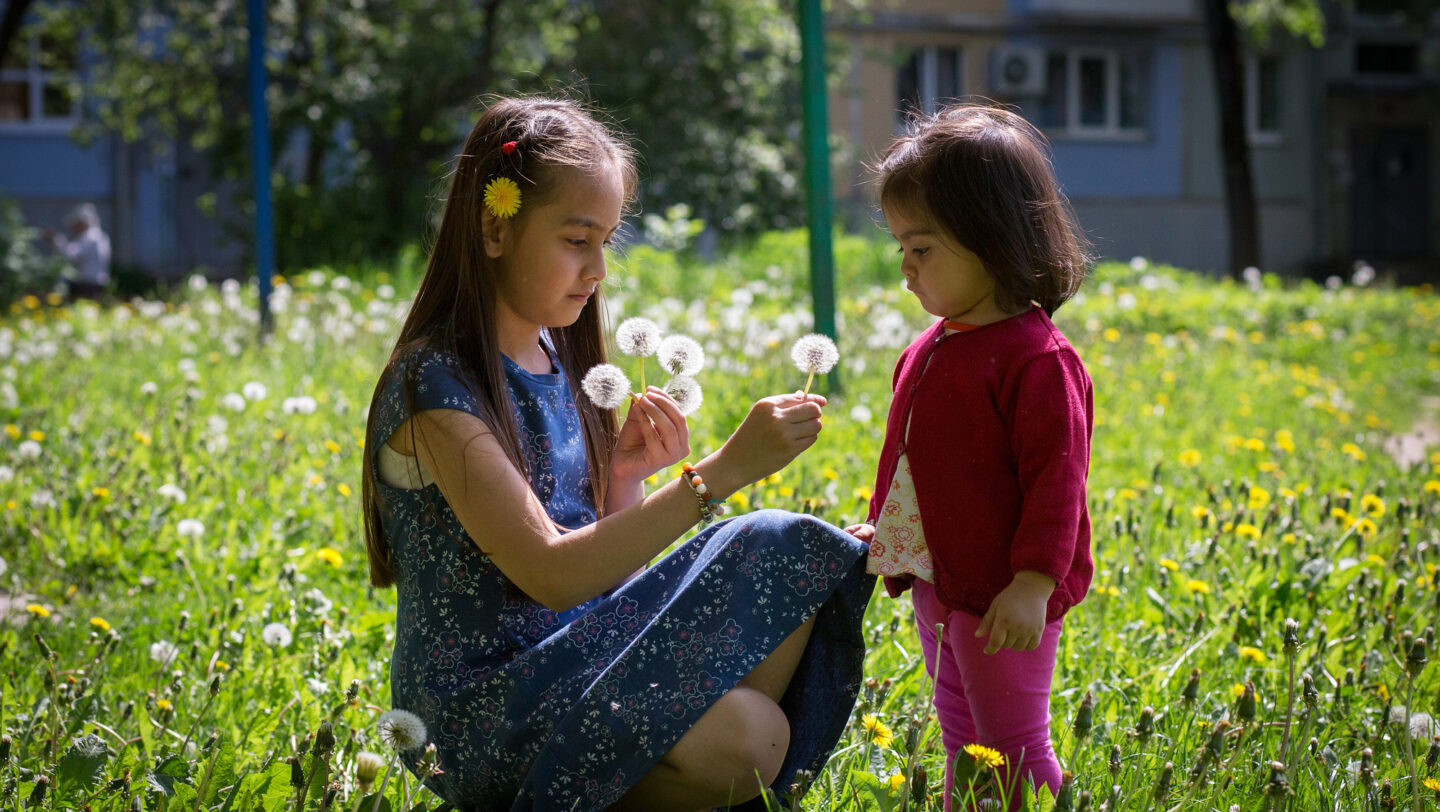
[864, 532]
[655, 435]
[1016, 618]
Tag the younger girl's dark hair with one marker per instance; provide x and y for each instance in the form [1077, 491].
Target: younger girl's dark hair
[454, 308]
[982, 174]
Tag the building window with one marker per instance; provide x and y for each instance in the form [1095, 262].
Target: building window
[1097, 93]
[1262, 98]
[928, 78]
[35, 83]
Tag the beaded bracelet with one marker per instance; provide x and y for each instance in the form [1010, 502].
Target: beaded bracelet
[710, 507]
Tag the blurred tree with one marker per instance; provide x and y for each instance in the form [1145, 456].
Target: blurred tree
[371, 97]
[10, 24]
[1261, 20]
[711, 90]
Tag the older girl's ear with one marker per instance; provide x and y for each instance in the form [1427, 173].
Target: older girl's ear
[495, 232]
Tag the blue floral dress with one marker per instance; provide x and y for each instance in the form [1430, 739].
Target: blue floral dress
[532, 709]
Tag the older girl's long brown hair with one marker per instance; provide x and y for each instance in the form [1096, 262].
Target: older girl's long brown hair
[454, 307]
[983, 175]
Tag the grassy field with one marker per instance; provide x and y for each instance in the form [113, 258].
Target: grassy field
[187, 622]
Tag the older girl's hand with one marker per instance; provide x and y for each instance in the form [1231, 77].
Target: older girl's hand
[775, 431]
[655, 435]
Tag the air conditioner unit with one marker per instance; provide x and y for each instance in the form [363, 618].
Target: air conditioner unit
[1017, 71]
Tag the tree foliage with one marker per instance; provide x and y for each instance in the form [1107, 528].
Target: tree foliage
[369, 99]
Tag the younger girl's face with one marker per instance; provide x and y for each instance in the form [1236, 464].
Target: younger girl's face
[949, 280]
[551, 261]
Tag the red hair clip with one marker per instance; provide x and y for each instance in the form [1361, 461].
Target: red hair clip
[507, 147]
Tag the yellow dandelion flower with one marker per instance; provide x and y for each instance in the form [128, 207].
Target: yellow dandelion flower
[830, 473]
[1375, 559]
[278, 434]
[1353, 451]
[1245, 530]
[1254, 444]
[1253, 654]
[1373, 505]
[787, 491]
[1432, 486]
[985, 756]
[1227, 527]
[37, 436]
[1289, 538]
[1342, 514]
[1197, 585]
[1258, 498]
[332, 446]
[1199, 511]
[895, 782]
[37, 610]
[221, 665]
[1286, 493]
[162, 705]
[142, 438]
[863, 494]
[330, 556]
[1432, 784]
[1126, 494]
[12, 431]
[876, 732]
[1169, 564]
[343, 489]
[100, 623]
[740, 500]
[100, 493]
[1111, 334]
[1112, 591]
[1285, 440]
[1238, 689]
[1382, 692]
[502, 197]
[1365, 528]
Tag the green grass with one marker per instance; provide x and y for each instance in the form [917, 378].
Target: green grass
[1239, 478]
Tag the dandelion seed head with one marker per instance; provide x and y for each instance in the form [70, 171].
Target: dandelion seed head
[149, 388]
[302, 404]
[606, 385]
[681, 355]
[28, 450]
[814, 354]
[233, 401]
[189, 528]
[638, 336]
[686, 393]
[254, 390]
[163, 652]
[402, 730]
[367, 767]
[172, 492]
[276, 634]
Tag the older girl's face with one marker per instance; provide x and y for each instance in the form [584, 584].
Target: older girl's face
[551, 258]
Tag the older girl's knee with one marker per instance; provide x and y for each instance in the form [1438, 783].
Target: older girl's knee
[744, 740]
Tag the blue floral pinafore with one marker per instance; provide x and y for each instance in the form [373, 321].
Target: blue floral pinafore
[531, 709]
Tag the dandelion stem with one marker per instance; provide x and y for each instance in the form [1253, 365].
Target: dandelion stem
[384, 782]
[1410, 742]
[809, 381]
[1289, 709]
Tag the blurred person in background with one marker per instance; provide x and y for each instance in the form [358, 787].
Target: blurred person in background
[88, 249]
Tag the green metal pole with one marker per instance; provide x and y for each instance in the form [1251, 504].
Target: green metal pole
[817, 170]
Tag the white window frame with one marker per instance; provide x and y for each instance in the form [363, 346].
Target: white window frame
[36, 78]
[927, 75]
[1111, 129]
[1257, 136]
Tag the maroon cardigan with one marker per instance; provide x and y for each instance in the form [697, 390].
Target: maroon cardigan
[999, 445]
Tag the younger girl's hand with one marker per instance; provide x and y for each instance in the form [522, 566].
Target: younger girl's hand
[655, 435]
[864, 532]
[1017, 615]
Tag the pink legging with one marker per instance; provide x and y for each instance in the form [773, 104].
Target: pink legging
[999, 700]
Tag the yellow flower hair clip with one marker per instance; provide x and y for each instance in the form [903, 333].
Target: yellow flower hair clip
[502, 197]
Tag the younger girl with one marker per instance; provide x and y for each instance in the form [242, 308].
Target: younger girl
[979, 505]
[552, 669]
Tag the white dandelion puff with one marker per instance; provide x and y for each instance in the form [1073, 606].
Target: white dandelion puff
[149, 388]
[163, 652]
[6, 473]
[303, 404]
[276, 635]
[685, 391]
[814, 354]
[402, 730]
[637, 336]
[172, 492]
[681, 355]
[189, 528]
[606, 385]
[254, 390]
[28, 450]
[234, 401]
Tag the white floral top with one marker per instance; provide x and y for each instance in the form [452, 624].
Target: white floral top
[899, 546]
